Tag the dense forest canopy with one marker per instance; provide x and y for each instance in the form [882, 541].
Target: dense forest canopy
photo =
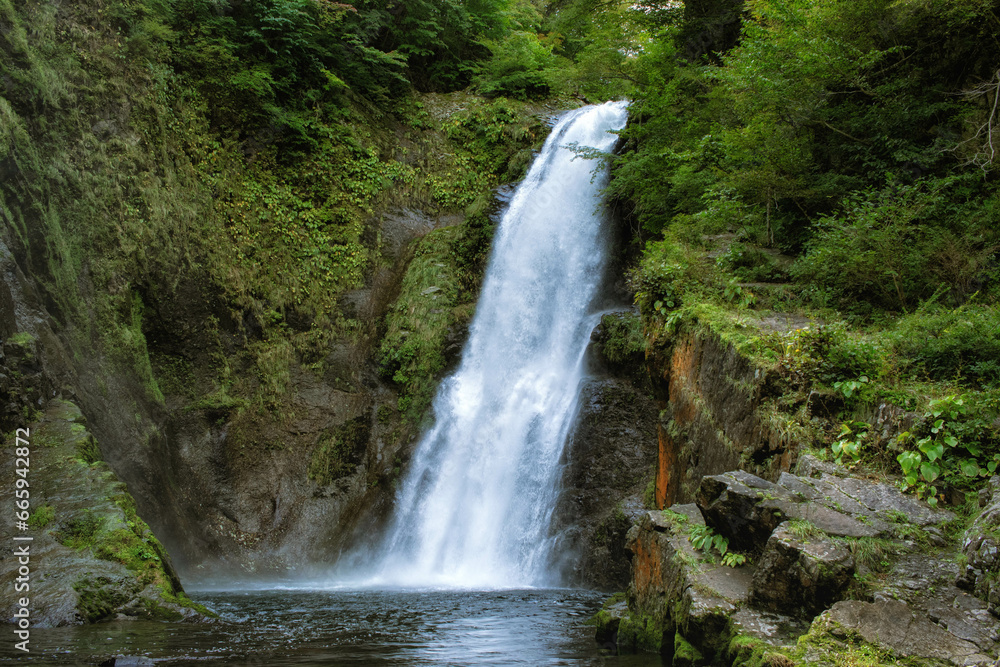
[845, 149]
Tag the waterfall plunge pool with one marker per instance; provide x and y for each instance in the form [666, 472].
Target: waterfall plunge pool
[476, 505]
[290, 626]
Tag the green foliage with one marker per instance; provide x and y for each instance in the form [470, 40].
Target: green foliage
[638, 632]
[802, 353]
[661, 280]
[819, 135]
[339, 451]
[412, 351]
[492, 136]
[803, 530]
[520, 67]
[951, 444]
[850, 441]
[706, 540]
[124, 546]
[750, 264]
[943, 344]
[685, 652]
[896, 246]
[42, 517]
[873, 554]
[623, 339]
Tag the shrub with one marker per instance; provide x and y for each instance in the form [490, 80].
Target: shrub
[961, 343]
[518, 67]
[623, 340]
[750, 264]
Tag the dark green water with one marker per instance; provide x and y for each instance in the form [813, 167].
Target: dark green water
[299, 627]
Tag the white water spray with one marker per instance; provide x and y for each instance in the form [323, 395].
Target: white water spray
[475, 507]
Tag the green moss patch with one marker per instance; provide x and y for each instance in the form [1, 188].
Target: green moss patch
[80, 531]
[99, 598]
[641, 633]
[412, 353]
[42, 517]
[685, 654]
[340, 451]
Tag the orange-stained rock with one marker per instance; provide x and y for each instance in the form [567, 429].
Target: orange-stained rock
[674, 589]
[710, 397]
[666, 487]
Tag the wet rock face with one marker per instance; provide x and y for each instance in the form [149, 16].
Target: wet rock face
[709, 398]
[609, 459]
[23, 386]
[91, 557]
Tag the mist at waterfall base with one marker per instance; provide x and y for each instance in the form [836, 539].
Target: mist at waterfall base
[465, 572]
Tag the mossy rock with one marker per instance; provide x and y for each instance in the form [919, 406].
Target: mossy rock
[642, 634]
[100, 597]
[685, 654]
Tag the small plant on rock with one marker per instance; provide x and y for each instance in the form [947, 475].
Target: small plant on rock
[853, 435]
[706, 540]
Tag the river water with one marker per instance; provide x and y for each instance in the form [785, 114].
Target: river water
[315, 627]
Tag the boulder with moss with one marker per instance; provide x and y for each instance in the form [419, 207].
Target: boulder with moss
[92, 557]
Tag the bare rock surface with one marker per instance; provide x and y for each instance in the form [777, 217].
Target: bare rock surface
[981, 547]
[796, 573]
[893, 625]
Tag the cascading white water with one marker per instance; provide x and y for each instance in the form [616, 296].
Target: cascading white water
[474, 508]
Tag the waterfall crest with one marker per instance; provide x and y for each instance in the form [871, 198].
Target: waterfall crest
[474, 509]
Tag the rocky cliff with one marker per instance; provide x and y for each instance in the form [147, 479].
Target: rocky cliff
[748, 564]
[253, 360]
[837, 565]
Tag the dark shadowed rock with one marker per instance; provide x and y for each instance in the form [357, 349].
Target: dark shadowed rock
[609, 459]
[730, 502]
[796, 574]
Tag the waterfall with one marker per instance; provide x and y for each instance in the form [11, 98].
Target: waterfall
[474, 509]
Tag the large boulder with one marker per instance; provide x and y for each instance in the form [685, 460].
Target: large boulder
[801, 574]
[746, 509]
[893, 625]
[92, 558]
[676, 591]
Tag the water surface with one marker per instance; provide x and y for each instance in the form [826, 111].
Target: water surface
[313, 627]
